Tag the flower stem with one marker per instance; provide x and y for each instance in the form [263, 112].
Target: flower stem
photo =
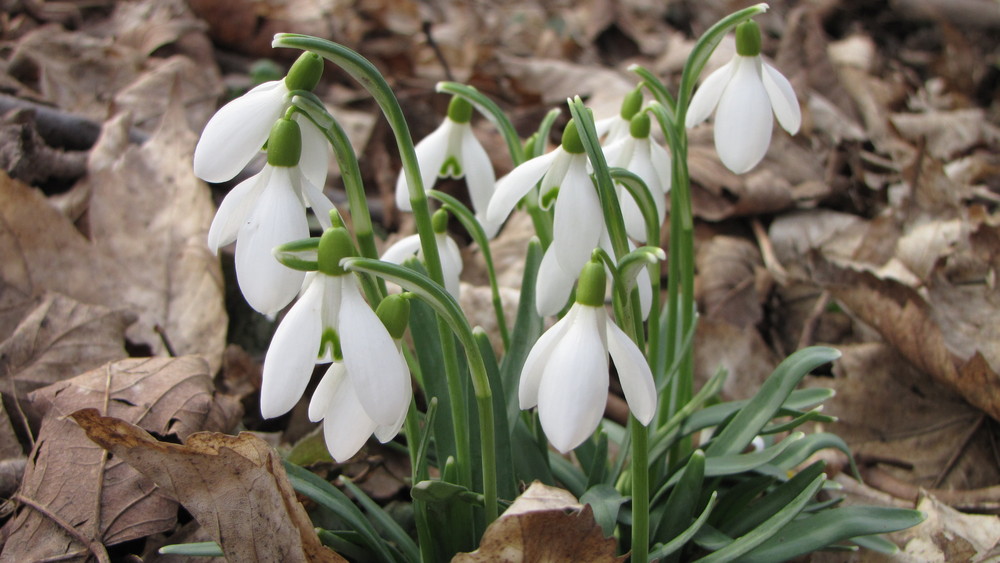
[640, 491]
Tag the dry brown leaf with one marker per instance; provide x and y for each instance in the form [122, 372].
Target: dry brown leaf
[544, 524]
[742, 352]
[151, 214]
[947, 133]
[86, 498]
[59, 339]
[732, 281]
[892, 414]
[235, 487]
[73, 70]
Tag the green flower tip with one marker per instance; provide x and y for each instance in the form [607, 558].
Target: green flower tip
[334, 246]
[571, 141]
[394, 312]
[439, 221]
[529, 145]
[335, 219]
[459, 110]
[284, 145]
[632, 103]
[305, 72]
[748, 39]
[639, 126]
[590, 288]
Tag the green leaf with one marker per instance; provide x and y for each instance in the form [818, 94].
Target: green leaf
[527, 329]
[683, 500]
[333, 499]
[196, 549]
[506, 482]
[767, 529]
[811, 444]
[716, 414]
[663, 550]
[762, 407]
[386, 523]
[830, 526]
[754, 514]
[606, 502]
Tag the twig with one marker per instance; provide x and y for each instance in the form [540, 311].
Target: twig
[20, 411]
[166, 340]
[958, 451]
[426, 27]
[774, 266]
[809, 327]
[985, 500]
[95, 547]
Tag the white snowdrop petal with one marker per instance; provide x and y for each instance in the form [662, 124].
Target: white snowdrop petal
[237, 132]
[318, 202]
[783, 100]
[633, 373]
[325, 391]
[579, 220]
[451, 263]
[315, 159]
[277, 218]
[512, 187]
[706, 97]
[399, 251]
[574, 387]
[743, 120]
[553, 286]
[479, 175]
[431, 153]
[346, 426]
[377, 372]
[235, 209]
[538, 357]
[291, 356]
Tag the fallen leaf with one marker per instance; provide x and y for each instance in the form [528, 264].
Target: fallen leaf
[151, 214]
[949, 535]
[235, 487]
[88, 499]
[731, 278]
[59, 339]
[544, 524]
[912, 427]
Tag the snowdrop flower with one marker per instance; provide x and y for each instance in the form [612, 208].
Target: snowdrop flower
[346, 423]
[638, 153]
[743, 93]
[240, 128]
[579, 219]
[451, 256]
[332, 321]
[566, 372]
[452, 151]
[554, 283]
[617, 127]
[267, 210]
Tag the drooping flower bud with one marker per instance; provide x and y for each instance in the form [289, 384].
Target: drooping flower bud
[284, 145]
[305, 72]
[394, 312]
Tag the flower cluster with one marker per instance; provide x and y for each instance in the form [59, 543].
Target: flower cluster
[366, 388]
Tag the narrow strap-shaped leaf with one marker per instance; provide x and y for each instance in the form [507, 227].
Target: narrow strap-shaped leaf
[663, 550]
[767, 529]
[761, 408]
[332, 498]
[386, 523]
[194, 549]
[714, 415]
[754, 514]
[527, 329]
[606, 502]
[506, 482]
[683, 500]
[830, 526]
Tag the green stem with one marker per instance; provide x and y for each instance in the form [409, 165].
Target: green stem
[475, 230]
[450, 313]
[640, 491]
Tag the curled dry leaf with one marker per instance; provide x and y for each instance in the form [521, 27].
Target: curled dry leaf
[544, 524]
[235, 487]
[87, 500]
